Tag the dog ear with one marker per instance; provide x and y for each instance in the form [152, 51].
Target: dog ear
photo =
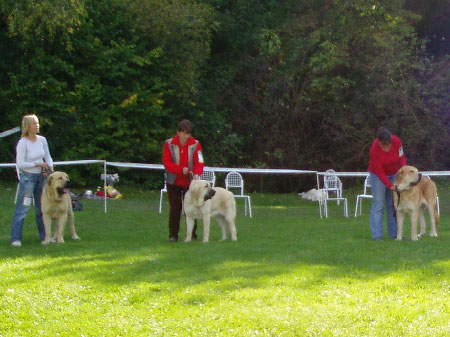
[50, 190]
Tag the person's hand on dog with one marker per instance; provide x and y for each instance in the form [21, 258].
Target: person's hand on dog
[185, 171]
[46, 170]
[394, 188]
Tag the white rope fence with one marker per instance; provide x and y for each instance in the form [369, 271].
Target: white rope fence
[215, 169]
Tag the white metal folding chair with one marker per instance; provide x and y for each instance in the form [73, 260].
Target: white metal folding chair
[365, 195]
[437, 197]
[209, 176]
[234, 181]
[332, 184]
[17, 189]
[163, 190]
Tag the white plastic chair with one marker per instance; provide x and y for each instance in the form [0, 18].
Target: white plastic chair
[209, 176]
[234, 181]
[437, 197]
[332, 184]
[365, 195]
[17, 189]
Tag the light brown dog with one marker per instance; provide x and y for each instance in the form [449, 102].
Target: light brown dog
[415, 194]
[57, 205]
[203, 202]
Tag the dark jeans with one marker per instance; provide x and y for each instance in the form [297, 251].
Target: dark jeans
[176, 195]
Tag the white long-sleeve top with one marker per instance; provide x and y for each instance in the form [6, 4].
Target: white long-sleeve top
[29, 153]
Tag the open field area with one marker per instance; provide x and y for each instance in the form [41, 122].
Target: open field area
[289, 274]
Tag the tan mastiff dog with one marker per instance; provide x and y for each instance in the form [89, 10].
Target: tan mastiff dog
[56, 205]
[414, 195]
[203, 202]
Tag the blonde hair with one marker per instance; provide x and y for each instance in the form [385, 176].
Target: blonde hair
[27, 120]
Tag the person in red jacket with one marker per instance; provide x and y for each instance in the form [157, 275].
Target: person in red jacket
[183, 160]
[386, 158]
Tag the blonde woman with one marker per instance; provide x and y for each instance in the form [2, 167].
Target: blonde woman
[35, 163]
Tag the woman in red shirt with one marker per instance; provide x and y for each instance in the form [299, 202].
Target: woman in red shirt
[386, 158]
[183, 160]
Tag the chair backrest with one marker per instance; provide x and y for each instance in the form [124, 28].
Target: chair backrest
[367, 185]
[234, 180]
[331, 181]
[209, 176]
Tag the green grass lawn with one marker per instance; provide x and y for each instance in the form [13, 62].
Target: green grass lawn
[289, 274]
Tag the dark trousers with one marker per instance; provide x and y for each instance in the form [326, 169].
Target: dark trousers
[176, 195]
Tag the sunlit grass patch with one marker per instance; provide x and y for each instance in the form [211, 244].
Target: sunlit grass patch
[289, 274]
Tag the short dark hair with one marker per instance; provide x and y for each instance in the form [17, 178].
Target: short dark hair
[384, 136]
[185, 126]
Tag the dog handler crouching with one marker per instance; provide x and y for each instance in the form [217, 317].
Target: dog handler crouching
[182, 158]
[34, 163]
[386, 158]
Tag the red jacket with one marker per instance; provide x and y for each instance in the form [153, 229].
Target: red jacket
[385, 164]
[174, 161]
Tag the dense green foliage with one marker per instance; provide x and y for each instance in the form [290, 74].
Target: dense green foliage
[293, 84]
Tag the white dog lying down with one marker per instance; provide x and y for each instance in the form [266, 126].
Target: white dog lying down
[202, 202]
[314, 195]
[415, 195]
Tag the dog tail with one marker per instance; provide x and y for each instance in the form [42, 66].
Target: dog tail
[437, 218]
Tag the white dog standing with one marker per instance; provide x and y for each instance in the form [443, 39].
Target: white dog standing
[203, 202]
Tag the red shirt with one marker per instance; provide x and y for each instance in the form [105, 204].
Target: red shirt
[385, 164]
[177, 168]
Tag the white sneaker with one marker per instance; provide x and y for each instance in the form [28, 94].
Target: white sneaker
[16, 243]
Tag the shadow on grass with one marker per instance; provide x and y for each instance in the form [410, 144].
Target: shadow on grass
[129, 245]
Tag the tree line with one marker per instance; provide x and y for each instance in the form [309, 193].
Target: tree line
[267, 83]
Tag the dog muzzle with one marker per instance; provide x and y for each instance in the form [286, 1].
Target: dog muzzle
[65, 189]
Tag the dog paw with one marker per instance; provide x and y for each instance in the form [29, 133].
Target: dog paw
[414, 238]
[76, 237]
[398, 238]
[434, 235]
[45, 242]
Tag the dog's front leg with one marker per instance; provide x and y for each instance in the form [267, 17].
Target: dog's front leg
[206, 224]
[414, 221]
[189, 228]
[400, 220]
[423, 222]
[47, 219]
[60, 228]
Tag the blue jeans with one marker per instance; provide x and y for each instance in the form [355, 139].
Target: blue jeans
[382, 196]
[29, 184]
